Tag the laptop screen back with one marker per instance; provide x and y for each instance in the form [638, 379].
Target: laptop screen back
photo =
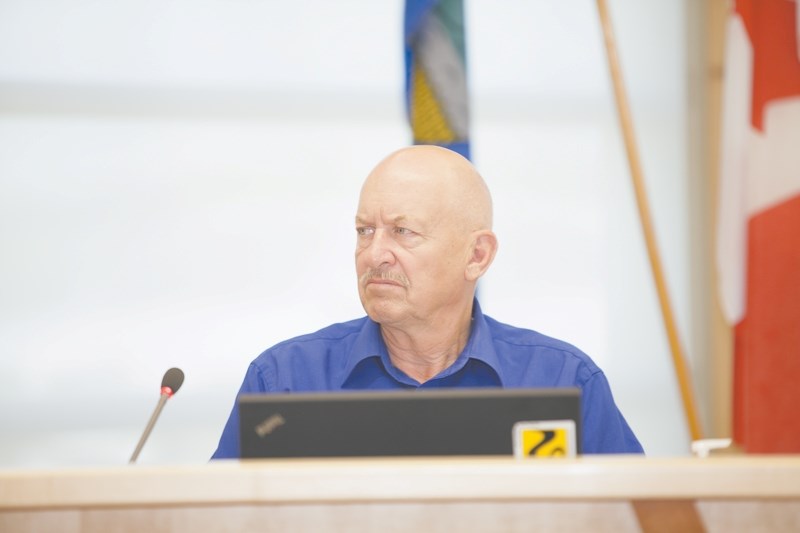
[399, 423]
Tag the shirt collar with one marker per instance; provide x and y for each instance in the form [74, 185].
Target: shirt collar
[480, 345]
[369, 343]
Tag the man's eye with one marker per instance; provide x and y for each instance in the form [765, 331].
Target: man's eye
[363, 231]
[403, 231]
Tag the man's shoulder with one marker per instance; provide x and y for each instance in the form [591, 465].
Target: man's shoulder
[312, 361]
[524, 336]
[329, 334]
[532, 341]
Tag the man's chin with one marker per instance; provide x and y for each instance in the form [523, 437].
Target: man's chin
[383, 311]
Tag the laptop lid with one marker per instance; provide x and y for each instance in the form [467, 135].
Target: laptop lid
[485, 421]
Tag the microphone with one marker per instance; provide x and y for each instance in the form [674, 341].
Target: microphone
[172, 381]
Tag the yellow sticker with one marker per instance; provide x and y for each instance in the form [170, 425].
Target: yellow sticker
[551, 438]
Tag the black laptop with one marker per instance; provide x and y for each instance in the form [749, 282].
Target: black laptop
[484, 421]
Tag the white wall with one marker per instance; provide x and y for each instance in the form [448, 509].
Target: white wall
[178, 180]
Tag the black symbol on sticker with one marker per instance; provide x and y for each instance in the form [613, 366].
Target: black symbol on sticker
[549, 435]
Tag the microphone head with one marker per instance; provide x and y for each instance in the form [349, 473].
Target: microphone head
[172, 381]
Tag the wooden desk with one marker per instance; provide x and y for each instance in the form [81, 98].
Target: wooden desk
[740, 493]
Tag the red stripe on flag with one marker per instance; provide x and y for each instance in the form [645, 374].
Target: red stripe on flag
[776, 69]
[767, 368]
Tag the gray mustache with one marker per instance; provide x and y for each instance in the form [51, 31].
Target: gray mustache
[383, 275]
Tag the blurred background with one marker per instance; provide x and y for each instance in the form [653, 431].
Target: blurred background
[178, 180]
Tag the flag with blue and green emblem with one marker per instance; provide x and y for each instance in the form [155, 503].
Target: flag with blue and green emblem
[436, 81]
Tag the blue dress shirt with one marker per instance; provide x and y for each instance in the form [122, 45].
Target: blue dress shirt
[352, 355]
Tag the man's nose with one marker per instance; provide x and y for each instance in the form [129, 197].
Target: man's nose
[381, 248]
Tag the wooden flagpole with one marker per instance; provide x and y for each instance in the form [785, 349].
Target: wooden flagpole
[678, 359]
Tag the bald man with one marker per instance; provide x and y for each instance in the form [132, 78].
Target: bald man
[424, 238]
[424, 227]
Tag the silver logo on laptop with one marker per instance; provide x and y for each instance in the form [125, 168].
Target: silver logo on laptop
[268, 426]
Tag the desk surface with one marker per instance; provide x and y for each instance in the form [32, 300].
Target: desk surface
[406, 479]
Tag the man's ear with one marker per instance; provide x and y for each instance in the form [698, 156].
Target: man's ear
[482, 252]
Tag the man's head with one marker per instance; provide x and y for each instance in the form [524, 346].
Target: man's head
[424, 237]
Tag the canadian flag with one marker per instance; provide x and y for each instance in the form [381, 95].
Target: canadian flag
[758, 240]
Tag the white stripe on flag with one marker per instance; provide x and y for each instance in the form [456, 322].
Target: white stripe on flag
[731, 252]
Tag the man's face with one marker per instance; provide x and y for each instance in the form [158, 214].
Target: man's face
[410, 252]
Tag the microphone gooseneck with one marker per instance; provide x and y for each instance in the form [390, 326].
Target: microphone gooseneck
[172, 381]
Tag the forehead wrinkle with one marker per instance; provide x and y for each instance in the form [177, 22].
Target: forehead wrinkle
[362, 218]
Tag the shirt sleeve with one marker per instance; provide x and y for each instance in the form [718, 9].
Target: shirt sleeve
[228, 447]
[604, 428]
